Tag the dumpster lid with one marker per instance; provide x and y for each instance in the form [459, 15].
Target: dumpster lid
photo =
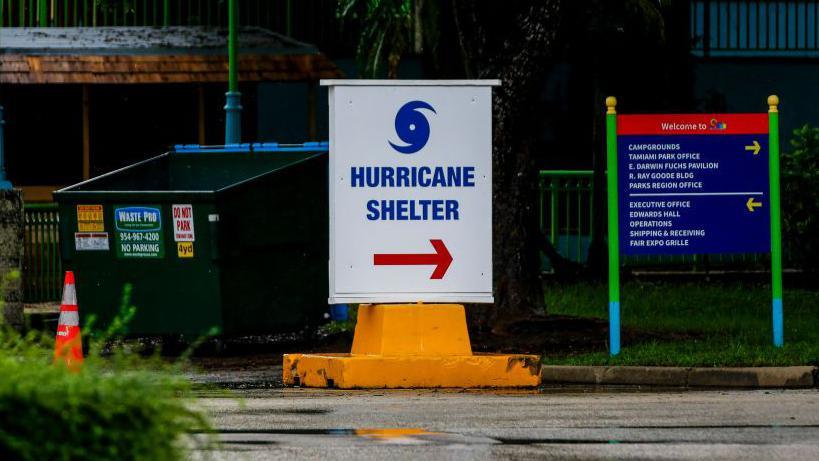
[195, 170]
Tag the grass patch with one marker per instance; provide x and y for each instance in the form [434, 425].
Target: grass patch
[694, 324]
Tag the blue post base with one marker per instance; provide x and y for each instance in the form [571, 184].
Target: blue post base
[233, 117]
[5, 185]
[339, 312]
[778, 324]
[614, 328]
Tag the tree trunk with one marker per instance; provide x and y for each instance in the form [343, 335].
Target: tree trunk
[512, 41]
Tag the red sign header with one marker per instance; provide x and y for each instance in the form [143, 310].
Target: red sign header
[682, 124]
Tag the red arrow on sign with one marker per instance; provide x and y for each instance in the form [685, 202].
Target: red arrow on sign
[441, 259]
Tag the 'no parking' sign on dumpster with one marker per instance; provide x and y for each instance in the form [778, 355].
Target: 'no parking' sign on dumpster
[410, 191]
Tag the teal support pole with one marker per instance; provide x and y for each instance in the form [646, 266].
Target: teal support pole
[4, 183]
[614, 225]
[776, 223]
[233, 105]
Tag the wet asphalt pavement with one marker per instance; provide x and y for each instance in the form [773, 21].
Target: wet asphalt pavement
[259, 420]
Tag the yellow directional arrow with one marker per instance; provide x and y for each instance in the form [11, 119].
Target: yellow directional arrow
[751, 204]
[755, 147]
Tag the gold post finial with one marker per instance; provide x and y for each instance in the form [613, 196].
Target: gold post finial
[611, 103]
[773, 103]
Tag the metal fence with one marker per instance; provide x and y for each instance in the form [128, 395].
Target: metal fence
[312, 21]
[755, 28]
[566, 212]
[42, 267]
[92, 13]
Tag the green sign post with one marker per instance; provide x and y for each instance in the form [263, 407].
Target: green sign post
[614, 226]
[693, 184]
[776, 226]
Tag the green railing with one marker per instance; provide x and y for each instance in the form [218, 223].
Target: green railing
[566, 210]
[92, 13]
[697, 262]
[566, 214]
[42, 267]
[311, 21]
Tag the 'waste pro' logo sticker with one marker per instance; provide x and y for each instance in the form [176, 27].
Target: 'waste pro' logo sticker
[139, 232]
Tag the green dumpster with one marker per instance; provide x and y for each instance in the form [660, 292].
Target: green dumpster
[232, 237]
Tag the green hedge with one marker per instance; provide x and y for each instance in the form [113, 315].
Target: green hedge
[120, 407]
[800, 199]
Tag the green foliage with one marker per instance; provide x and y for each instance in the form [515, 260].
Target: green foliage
[800, 199]
[120, 406]
[386, 33]
[695, 324]
[347, 326]
[335, 327]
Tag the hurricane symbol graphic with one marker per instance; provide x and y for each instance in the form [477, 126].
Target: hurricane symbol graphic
[412, 127]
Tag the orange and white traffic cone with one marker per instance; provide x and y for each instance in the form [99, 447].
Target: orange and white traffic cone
[68, 344]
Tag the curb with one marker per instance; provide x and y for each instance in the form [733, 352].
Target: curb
[761, 377]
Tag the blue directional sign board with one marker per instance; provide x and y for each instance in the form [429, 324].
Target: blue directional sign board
[693, 184]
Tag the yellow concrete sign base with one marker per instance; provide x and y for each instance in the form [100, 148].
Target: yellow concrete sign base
[411, 346]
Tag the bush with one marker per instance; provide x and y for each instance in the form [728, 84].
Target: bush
[800, 199]
[120, 407]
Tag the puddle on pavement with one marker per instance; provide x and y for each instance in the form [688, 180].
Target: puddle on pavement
[376, 434]
[251, 442]
[305, 411]
[288, 431]
[561, 441]
[396, 435]
[380, 435]
[716, 426]
[419, 436]
[284, 411]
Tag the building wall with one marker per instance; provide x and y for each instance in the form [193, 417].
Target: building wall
[744, 85]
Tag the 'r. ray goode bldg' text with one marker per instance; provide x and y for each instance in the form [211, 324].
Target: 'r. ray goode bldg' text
[423, 177]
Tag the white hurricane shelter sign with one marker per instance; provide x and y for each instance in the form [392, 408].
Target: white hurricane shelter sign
[410, 191]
